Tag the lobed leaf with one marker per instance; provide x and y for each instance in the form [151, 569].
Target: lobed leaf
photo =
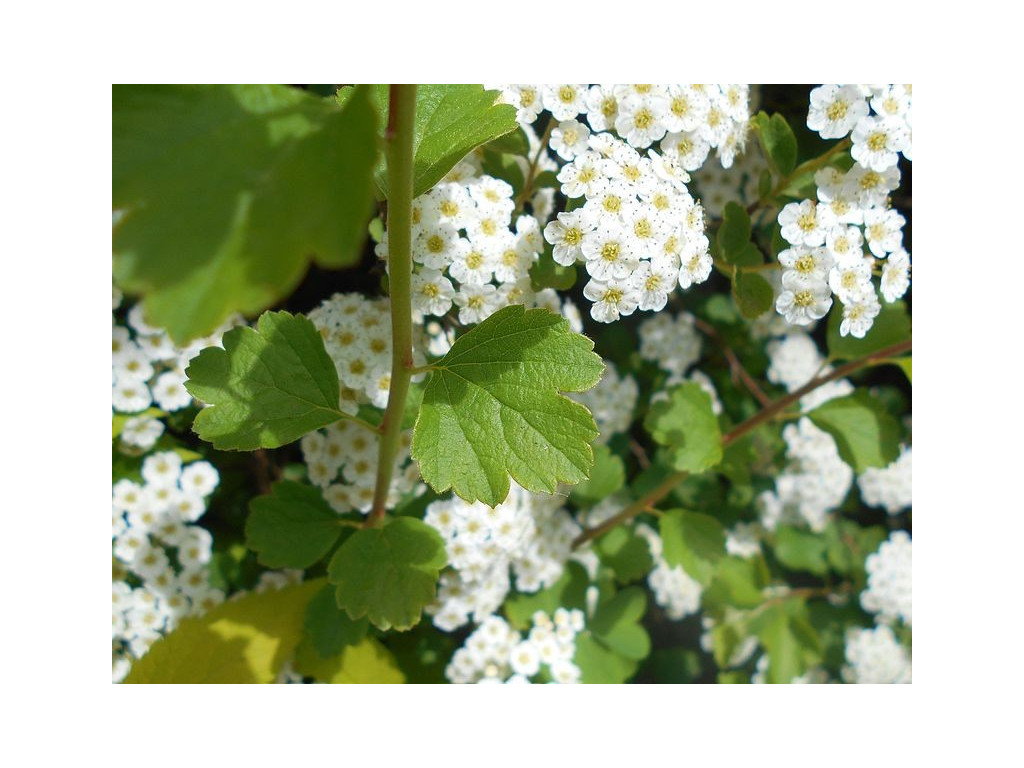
[292, 527]
[266, 387]
[866, 434]
[246, 640]
[388, 574]
[687, 426]
[228, 191]
[492, 408]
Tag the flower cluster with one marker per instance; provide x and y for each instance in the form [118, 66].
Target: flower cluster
[889, 593]
[889, 487]
[828, 235]
[341, 460]
[357, 335]
[814, 482]
[876, 656]
[672, 343]
[160, 556]
[149, 368]
[497, 653]
[529, 533]
[467, 251]
[673, 588]
[688, 120]
[794, 361]
[611, 402]
[639, 233]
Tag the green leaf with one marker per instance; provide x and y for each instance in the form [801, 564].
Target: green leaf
[848, 544]
[229, 190]
[801, 550]
[293, 527]
[366, 662]
[616, 623]
[687, 426]
[328, 627]
[788, 637]
[505, 167]
[626, 553]
[693, 540]
[246, 640]
[492, 408]
[599, 664]
[865, 432]
[607, 477]
[753, 294]
[905, 364]
[388, 574]
[737, 582]
[451, 121]
[890, 327]
[778, 142]
[266, 387]
[734, 234]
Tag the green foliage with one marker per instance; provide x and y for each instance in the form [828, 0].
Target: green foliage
[777, 140]
[293, 527]
[789, 639]
[242, 641]
[753, 294]
[801, 550]
[492, 408]
[693, 540]
[328, 628]
[451, 121]
[609, 650]
[626, 553]
[687, 426]
[229, 190]
[737, 582]
[388, 574]
[890, 327]
[365, 662]
[607, 477]
[865, 433]
[734, 233]
[266, 387]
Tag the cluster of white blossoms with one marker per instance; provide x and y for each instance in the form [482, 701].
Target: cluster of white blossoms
[794, 361]
[467, 251]
[889, 591]
[876, 656]
[717, 185]
[814, 482]
[341, 460]
[530, 534]
[673, 588]
[357, 336]
[161, 557]
[688, 121]
[497, 653]
[148, 369]
[828, 235]
[672, 343]
[813, 676]
[612, 402]
[639, 233]
[889, 487]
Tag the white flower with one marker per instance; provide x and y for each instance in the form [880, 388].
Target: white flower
[850, 278]
[611, 299]
[804, 304]
[859, 315]
[569, 138]
[641, 119]
[565, 101]
[884, 231]
[695, 262]
[801, 225]
[609, 253]
[877, 142]
[477, 302]
[896, 275]
[566, 234]
[653, 280]
[835, 110]
[805, 266]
